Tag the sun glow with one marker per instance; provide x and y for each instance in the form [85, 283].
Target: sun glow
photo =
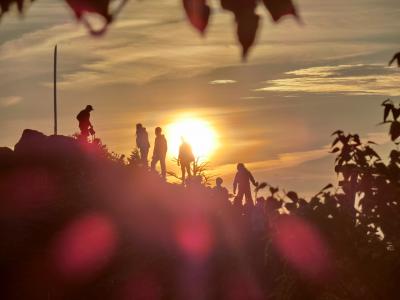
[198, 133]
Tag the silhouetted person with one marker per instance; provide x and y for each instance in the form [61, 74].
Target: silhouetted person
[185, 158]
[159, 151]
[220, 193]
[395, 57]
[142, 142]
[84, 122]
[242, 180]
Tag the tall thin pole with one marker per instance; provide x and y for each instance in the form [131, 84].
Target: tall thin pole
[55, 90]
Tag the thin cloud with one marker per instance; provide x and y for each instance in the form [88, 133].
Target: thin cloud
[252, 97]
[282, 161]
[223, 81]
[294, 159]
[357, 79]
[10, 101]
[378, 137]
[134, 52]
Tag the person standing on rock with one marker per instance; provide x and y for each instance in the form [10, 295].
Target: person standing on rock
[84, 122]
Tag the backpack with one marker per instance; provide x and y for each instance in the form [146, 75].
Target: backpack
[80, 117]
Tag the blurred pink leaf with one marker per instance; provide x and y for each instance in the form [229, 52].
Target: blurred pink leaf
[198, 13]
[280, 8]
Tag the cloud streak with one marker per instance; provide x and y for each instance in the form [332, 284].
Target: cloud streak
[222, 81]
[10, 101]
[282, 161]
[359, 79]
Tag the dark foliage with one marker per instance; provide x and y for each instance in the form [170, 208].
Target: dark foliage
[79, 223]
[395, 124]
[197, 11]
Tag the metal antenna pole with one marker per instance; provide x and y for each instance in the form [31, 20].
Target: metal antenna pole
[55, 90]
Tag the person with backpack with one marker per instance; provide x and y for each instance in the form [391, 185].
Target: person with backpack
[85, 126]
[185, 159]
[142, 142]
[242, 181]
[159, 152]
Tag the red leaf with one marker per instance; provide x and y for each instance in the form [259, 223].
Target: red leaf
[99, 7]
[80, 7]
[6, 4]
[198, 13]
[238, 6]
[247, 21]
[280, 8]
[247, 25]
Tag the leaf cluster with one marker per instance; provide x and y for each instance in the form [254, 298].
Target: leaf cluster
[360, 218]
[198, 13]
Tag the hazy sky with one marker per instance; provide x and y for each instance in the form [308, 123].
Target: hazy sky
[275, 113]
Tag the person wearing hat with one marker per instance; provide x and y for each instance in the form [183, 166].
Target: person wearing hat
[84, 122]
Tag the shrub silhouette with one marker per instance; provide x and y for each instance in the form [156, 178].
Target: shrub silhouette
[77, 223]
[200, 170]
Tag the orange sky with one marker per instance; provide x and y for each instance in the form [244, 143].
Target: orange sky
[275, 113]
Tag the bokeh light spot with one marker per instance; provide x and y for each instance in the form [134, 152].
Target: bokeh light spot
[302, 245]
[85, 246]
[194, 237]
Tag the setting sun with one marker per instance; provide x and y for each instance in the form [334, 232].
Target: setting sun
[198, 133]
